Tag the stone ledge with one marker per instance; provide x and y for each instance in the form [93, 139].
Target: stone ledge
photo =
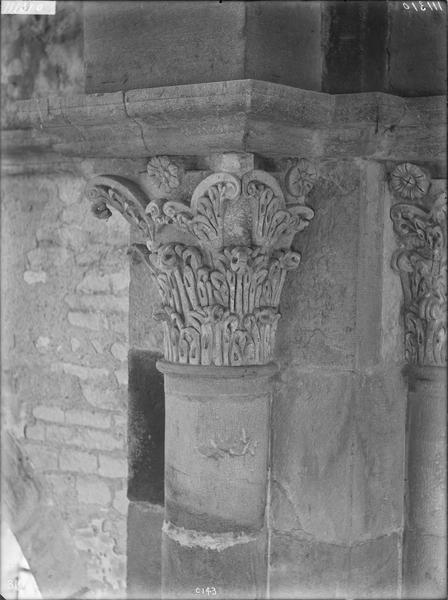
[243, 115]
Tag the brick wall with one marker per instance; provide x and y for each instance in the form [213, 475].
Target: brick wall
[65, 281]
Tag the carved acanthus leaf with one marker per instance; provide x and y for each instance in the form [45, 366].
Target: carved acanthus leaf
[421, 263]
[221, 290]
[124, 195]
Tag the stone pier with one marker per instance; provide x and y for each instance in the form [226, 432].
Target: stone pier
[420, 224]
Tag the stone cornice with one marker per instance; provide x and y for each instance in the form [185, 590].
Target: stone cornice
[243, 115]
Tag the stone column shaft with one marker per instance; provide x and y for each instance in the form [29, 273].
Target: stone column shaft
[216, 467]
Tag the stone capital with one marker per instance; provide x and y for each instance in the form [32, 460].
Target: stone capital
[420, 225]
[219, 256]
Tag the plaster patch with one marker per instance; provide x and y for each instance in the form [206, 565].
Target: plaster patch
[209, 541]
[42, 342]
[32, 277]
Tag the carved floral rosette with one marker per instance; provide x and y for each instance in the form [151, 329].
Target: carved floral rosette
[220, 262]
[421, 262]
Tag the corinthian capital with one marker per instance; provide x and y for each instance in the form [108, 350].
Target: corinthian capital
[421, 264]
[220, 261]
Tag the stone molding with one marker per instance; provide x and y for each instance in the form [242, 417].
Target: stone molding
[220, 262]
[246, 115]
[421, 262]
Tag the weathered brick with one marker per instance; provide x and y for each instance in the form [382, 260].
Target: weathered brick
[74, 237]
[87, 418]
[121, 501]
[98, 302]
[75, 344]
[48, 257]
[120, 281]
[86, 320]
[118, 324]
[83, 372]
[98, 346]
[91, 255]
[93, 491]
[42, 457]
[121, 421]
[119, 351]
[42, 342]
[92, 439]
[113, 467]
[103, 398]
[94, 283]
[35, 432]
[122, 376]
[49, 413]
[32, 277]
[74, 460]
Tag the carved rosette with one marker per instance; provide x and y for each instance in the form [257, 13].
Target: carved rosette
[421, 263]
[220, 262]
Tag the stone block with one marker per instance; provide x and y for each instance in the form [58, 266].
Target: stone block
[312, 426]
[120, 502]
[318, 328]
[86, 320]
[93, 439]
[104, 397]
[378, 450]
[216, 431]
[43, 458]
[144, 565]
[122, 377]
[238, 571]
[49, 413]
[417, 47]
[63, 488]
[73, 460]
[93, 491]
[99, 303]
[35, 432]
[355, 39]
[32, 277]
[112, 467]
[146, 428]
[94, 283]
[83, 372]
[375, 568]
[305, 568]
[87, 418]
[424, 566]
[119, 351]
[120, 281]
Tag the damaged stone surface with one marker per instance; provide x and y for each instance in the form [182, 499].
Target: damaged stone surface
[338, 423]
